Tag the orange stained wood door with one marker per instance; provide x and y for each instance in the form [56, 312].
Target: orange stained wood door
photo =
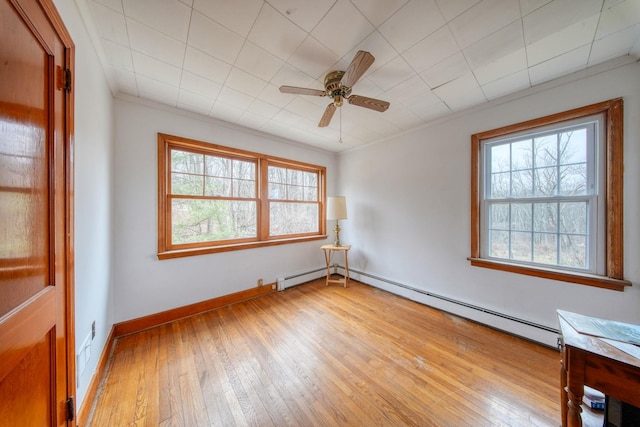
[36, 325]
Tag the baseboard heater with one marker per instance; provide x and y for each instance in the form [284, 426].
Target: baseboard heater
[530, 330]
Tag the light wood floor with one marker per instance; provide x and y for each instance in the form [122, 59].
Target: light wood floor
[328, 356]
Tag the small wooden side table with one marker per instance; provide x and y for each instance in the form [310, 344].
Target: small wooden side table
[328, 252]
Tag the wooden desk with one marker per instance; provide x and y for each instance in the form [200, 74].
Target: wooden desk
[590, 360]
[328, 252]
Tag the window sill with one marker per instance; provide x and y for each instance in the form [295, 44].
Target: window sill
[180, 253]
[564, 276]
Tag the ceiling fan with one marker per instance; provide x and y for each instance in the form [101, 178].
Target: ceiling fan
[338, 84]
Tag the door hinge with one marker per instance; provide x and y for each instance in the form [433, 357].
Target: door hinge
[71, 409]
[64, 79]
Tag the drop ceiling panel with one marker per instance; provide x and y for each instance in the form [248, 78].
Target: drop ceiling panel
[226, 59]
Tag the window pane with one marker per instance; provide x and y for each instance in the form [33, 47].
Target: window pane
[311, 179]
[573, 251]
[573, 217]
[521, 216]
[521, 246]
[293, 218]
[311, 194]
[499, 244]
[187, 185]
[545, 248]
[182, 161]
[278, 175]
[295, 177]
[545, 217]
[218, 166]
[211, 220]
[500, 158]
[546, 181]
[244, 170]
[573, 147]
[521, 155]
[546, 151]
[295, 193]
[246, 189]
[573, 180]
[499, 216]
[218, 187]
[500, 185]
[522, 183]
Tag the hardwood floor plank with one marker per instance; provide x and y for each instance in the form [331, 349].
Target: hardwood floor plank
[328, 356]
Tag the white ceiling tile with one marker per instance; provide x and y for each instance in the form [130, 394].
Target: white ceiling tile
[290, 76]
[272, 95]
[194, 102]
[302, 107]
[366, 87]
[483, 19]
[392, 74]
[560, 65]
[495, 46]
[305, 14]
[212, 38]
[226, 112]
[501, 67]
[153, 43]
[275, 33]
[506, 85]
[157, 91]
[157, 70]
[618, 17]
[187, 2]
[194, 83]
[378, 11]
[126, 81]
[119, 56]
[264, 108]
[111, 24]
[615, 45]
[557, 15]
[461, 93]
[234, 98]
[342, 28]
[528, 6]
[251, 120]
[415, 21]
[450, 9]
[376, 45]
[431, 50]
[167, 16]
[313, 58]
[237, 15]
[244, 82]
[431, 111]
[258, 61]
[115, 5]
[566, 40]
[409, 89]
[205, 65]
[449, 69]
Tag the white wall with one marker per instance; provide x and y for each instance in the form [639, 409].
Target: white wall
[143, 284]
[93, 194]
[409, 206]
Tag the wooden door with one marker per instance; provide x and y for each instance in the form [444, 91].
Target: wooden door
[37, 370]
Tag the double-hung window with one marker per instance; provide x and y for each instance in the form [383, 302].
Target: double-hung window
[546, 197]
[213, 198]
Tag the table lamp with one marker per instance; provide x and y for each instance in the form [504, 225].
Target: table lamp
[336, 210]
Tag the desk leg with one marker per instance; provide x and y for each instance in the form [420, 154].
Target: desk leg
[327, 258]
[346, 268]
[564, 399]
[575, 362]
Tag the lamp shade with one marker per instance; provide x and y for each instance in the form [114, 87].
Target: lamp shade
[336, 208]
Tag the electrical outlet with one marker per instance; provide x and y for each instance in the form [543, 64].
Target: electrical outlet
[93, 330]
[260, 282]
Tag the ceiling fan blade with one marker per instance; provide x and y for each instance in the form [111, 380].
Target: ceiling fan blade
[361, 63]
[373, 104]
[302, 91]
[326, 117]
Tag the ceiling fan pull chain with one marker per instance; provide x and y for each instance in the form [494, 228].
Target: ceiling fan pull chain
[340, 140]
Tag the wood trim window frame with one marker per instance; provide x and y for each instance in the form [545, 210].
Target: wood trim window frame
[613, 277]
[166, 250]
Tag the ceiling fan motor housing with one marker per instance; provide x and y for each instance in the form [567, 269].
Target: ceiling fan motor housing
[335, 89]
